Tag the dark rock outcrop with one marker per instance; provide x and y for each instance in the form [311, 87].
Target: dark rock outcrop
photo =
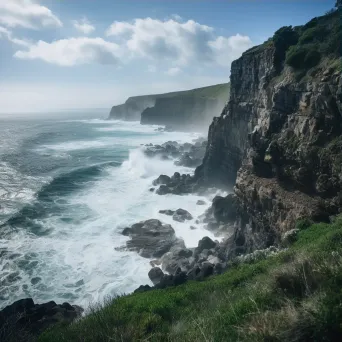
[279, 141]
[181, 215]
[24, 320]
[152, 238]
[155, 274]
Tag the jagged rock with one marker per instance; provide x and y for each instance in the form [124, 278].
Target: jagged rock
[26, 318]
[181, 215]
[162, 179]
[167, 212]
[163, 190]
[152, 238]
[225, 208]
[126, 231]
[177, 258]
[205, 243]
[155, 274]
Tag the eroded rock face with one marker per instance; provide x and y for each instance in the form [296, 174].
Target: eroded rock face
[25, 319]
[280, 141]
[152, 238]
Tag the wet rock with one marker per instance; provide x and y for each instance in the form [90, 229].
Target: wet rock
[162, 179]
[167, 212]
[28, 319]
[151, 189]
[225, 208]
[163, 190]
[193, 227]
[181, 215]
[177, 258]
[143, 288]
[126, 231]
[205, 243]
[155, 274]
[200, 202]
[152, 238]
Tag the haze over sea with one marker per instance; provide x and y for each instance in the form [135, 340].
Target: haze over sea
[69, 183]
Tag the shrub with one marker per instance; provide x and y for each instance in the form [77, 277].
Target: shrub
[295, 56]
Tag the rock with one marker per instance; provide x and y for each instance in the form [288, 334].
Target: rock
[289, 237]
[143, 288]
[178, 257]
[163, 190]
[152, 238]
[27, 319]
[201, 202]
[151, 189]
[162, 179]
[193, 227]
[205, 243]
[126, 231]
[181, 215]
[213, 259]
[167, 212]
[225, 208]
[155, 274]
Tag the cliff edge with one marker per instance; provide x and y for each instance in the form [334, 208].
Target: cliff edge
[184, 109]
[279, 137]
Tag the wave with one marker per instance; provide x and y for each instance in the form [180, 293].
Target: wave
[51, 198]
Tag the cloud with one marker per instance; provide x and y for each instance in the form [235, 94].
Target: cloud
[27, 13]
[69, 52]
[84, 26]
[168, 44]
[173, 71]
[152, 68]
[7, 34]
[180, 43]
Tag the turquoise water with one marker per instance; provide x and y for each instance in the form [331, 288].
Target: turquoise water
[68, 186]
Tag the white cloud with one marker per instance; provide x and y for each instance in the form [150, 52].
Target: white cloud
[84, 26]
[180, 43]
[72, 51]
[27, 13]
[173, 71]
[7, 34]
[169, 44]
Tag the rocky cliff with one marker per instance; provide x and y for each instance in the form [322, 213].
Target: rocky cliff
[279, 137]
[131, 110]
[185, 109]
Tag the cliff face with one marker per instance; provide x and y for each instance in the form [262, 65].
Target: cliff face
[131, 110]
[279, 140]
[190, 109]
[183, 112]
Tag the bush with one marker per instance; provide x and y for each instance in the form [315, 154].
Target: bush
[303, 57]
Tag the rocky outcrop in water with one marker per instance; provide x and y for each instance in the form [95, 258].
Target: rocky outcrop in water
[24, 320]
[151, 238]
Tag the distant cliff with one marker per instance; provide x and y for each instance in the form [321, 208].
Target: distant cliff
[186, 109]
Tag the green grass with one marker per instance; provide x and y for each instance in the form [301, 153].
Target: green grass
[214, 91]
[293, 296]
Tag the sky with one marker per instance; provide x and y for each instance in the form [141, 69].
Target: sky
[60, 54]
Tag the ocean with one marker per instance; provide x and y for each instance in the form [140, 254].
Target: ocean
[69, 184]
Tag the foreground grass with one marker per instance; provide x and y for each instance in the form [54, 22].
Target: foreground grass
[293, 296]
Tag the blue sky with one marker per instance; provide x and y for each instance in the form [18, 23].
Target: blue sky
[95, 53]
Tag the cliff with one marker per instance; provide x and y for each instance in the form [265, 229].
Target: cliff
[279, 137]
[191, 108]
[131, 110]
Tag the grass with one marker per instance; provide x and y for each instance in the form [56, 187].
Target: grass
[214, 91]
[293, 296]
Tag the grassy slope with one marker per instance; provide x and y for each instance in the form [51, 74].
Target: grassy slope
[214, 91]
[293, 296]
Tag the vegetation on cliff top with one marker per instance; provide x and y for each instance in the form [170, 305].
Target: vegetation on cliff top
[292, 296]
[214, 91]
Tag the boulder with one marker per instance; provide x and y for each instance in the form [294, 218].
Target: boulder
[176, 258]
[162, 179]
[152, 238]
[155, 274]
[27, 319]
[181, 215]
[163, 190]
[200, 202]
[205, 243]
[167, 212]
[225, 208]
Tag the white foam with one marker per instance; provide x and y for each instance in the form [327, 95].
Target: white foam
[78, 262]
